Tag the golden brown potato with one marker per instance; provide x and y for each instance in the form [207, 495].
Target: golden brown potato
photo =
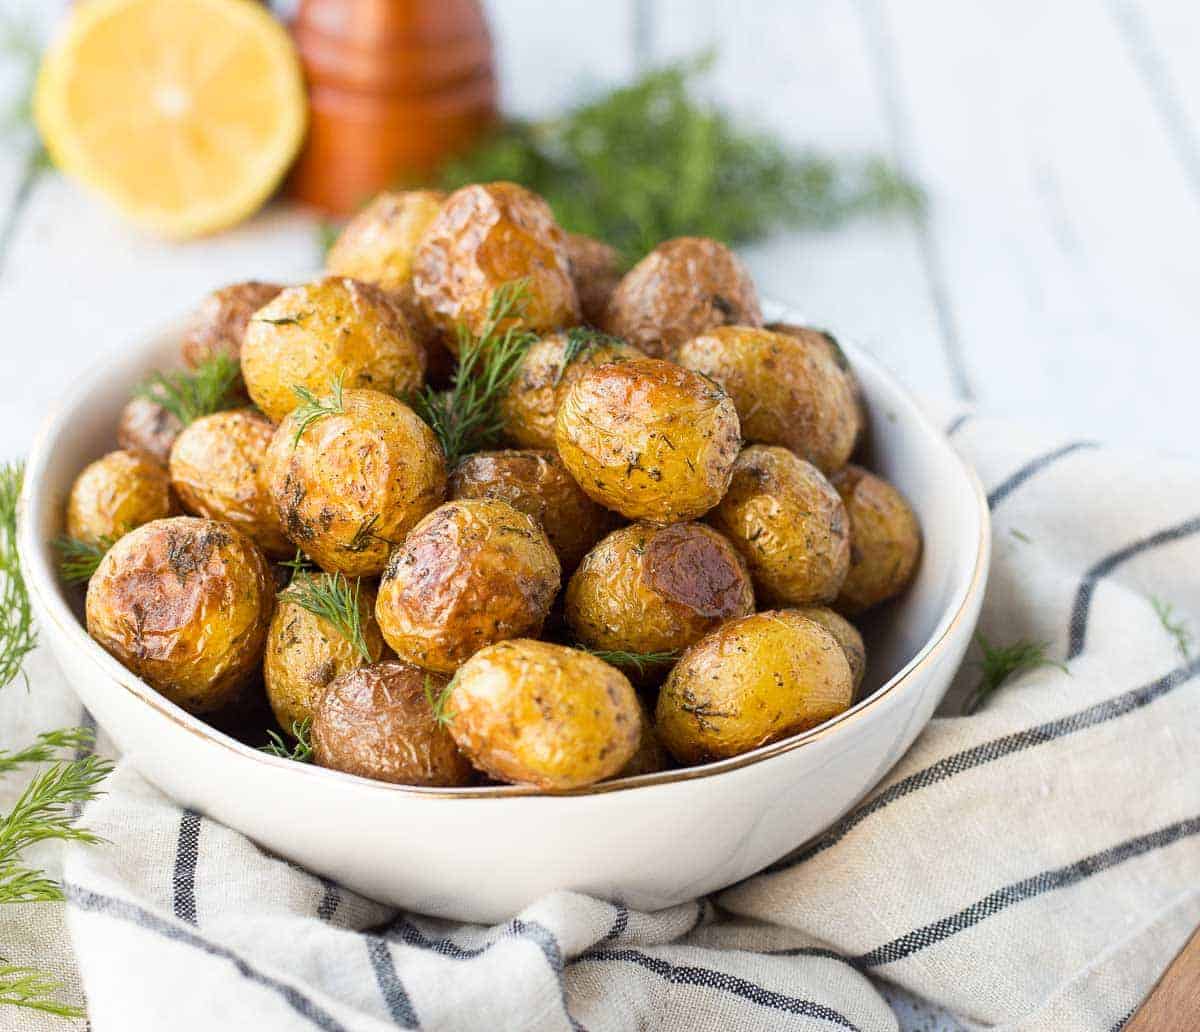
[471, 573]
[657, 589]
[116, 493]
[184, 603]
[146, 427]
[847, 637]
[214, 471]
[311, 335]
[355, 481]
[649, 439]
[683, 287]
[789, 524]
[537, 484]
[650, 757]
[787, 389]
[533, 713]
[376, 722]
[885, 540]
[596, 271]
[487, 235]
[752, 681]
[219, 322]
[530, 404]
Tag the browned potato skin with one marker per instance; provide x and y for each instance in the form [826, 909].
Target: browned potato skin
[657, 589]
[376, 460]
[789, 524]
[116, 493]
[529, 407]
[752, 681]
[537, 484]
[683, 287]
[146, 427]
[215, 473]
[184, 603]
[826, 340]
[487, 235]
[847, 637]
[787, 389]
[220, 320]
[885, 540]
[649, 439]
[314, 333]
[596, 271]
[375, 722]
[473, 572]
[529, 712]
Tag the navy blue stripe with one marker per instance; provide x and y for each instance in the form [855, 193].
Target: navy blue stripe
[331, 898]
[390, 987]
[1033, 468]
[187, 855]
[620, 923]
[1122, 1022]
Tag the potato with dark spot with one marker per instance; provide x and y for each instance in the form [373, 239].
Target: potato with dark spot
[752, 681]
[472, 573]
[683, 287]
[787, 389]
[146, 427]
[847, 637]
[219, 323]
[649, 439]
[596, 271]
[184, 603]
[116, 493]
[533, 713]
[354, 482]
[885, 540]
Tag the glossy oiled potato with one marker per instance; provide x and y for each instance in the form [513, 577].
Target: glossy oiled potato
[885, 540]
[336, 327]
[788, 390]
[354, 482]
[214, 471]
[538, 484]
[487, 235]
[649, 439]
[750, 682]
[220, 320]
[184, 603]
[145, 426]
[596, 271]
[533, 713]
[471, 573]
[826, 340]
[847, 637]
[683, 287]
[116, 493]
[376, 722]
[789, 524]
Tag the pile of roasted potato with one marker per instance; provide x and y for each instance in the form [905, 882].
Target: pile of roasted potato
[658, 572]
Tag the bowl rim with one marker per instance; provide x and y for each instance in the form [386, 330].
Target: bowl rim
[44, 590]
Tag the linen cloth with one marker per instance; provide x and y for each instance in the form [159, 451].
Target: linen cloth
[1034, 866]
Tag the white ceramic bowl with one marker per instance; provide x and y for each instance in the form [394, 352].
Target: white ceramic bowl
[483, 853]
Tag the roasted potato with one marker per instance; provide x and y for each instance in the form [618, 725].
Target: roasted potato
[649, 439]
[683, 287]
[473, 572]
[847, 637]
[350, 485]
[146, 427]
[885, 540]
[787, 389]
[789, 524]
[533, 713]
[750, 682]
[215, 473]
[334, 329]
[220, 320]
[184, 603]
[375, 721]
[596, 271]
[650, 757]
[537, 484]
[485, 236]
[116, 493]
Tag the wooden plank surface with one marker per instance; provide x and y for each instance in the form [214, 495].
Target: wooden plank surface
[1174, 1003]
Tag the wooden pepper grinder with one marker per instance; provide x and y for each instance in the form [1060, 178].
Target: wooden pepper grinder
[395, 88]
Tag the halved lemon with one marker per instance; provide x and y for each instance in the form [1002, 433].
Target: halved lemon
[184, 113]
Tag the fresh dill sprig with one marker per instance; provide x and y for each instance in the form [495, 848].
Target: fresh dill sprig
[364, 535]
[17, 634]
[1176, 628]
[580, 340]
[301, 752]
[33, 990]
[327, 233]
[77, 560]
[333, 598]
[998, 663]
[438, 702]
[299, 563]
[47, 747]
[189, 394]
[312, 408]
[1020, 535]
[639, 661]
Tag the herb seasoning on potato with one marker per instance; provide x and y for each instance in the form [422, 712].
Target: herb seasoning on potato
[115, 494]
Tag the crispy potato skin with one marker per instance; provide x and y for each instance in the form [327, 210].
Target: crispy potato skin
[683, 287]
[355, 482]
[847, 637]
[657, 589]
[529, 406]
[116, 493]
[596, 271]
[752, 681]
[473, 572]
[184, 603]
[215, 473]
[885, 540]
[147, 427]
[788, 390]
[789, 525]
[530, 712]
[649, 439]
[220, 320]
[487, 235]
[537, 484]
[375, 722]
[311, 334]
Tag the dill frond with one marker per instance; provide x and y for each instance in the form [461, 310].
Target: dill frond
[77, 560]
[299, 563]
[327, 232]
[580, 340]
[189, 394]
[26, 987]
[17, 634]
[364, 535]
[47, 747]
[999, 663]
[301, 752]
[331, 597]
[438, 702]
[312, 408]
[1020, 536]
[639, 661]
[1176, 628]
